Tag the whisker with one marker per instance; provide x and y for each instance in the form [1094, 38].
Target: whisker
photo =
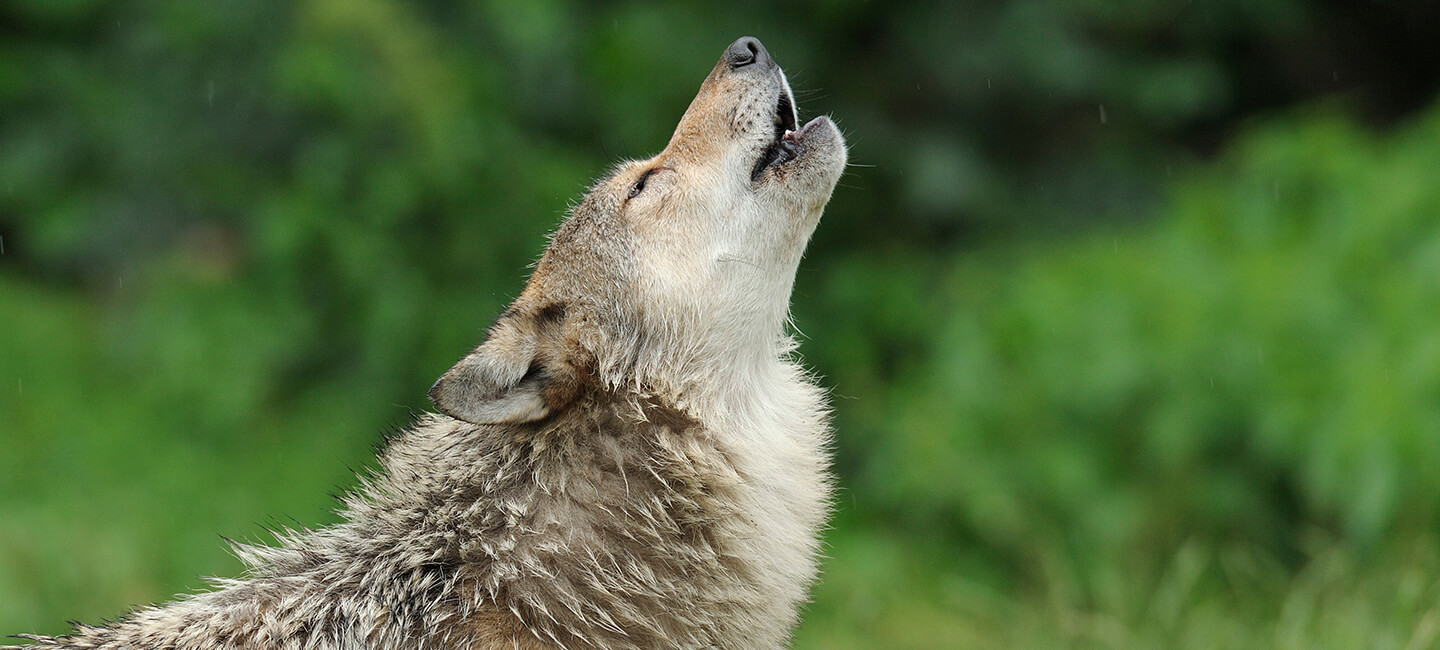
[731, 258]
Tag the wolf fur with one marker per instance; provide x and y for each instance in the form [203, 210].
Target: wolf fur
[632, 458]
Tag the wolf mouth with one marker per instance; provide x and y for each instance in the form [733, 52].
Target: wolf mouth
[786, 144]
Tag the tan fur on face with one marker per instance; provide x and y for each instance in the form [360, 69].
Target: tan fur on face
[631, 459]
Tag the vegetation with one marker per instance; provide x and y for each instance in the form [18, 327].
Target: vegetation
[1129, 308]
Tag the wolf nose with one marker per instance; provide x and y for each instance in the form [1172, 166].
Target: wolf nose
[745, 51]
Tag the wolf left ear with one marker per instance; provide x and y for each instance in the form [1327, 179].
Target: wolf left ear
[499, 383]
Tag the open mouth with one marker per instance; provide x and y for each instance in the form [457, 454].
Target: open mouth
[785, 146]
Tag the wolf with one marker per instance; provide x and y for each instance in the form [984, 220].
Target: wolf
[633, 457]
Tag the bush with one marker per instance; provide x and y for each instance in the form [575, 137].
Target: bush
[1255, 372]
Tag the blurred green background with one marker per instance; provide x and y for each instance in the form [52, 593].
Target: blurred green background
[1131, 308]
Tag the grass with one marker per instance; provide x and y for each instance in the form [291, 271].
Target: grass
[881, 591]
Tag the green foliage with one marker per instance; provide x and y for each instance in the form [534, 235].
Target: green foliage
[1093, 388]
[1256, 369]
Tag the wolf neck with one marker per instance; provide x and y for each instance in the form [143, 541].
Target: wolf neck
[705, 364]
[713, 381]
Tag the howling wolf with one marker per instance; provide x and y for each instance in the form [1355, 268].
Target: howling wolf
[631, 459]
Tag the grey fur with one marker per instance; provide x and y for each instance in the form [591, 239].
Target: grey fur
[631, 460]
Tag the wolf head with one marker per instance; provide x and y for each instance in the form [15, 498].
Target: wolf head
[673, 270]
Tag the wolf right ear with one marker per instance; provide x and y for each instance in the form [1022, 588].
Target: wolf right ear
[499, 383]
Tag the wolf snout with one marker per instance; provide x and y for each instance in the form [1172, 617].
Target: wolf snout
[747, 50]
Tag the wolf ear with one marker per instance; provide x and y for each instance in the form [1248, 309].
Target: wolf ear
[499, 383]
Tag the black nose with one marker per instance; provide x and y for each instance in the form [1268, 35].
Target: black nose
[745, 51]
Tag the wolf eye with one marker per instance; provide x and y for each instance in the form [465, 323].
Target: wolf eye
[639, 185]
